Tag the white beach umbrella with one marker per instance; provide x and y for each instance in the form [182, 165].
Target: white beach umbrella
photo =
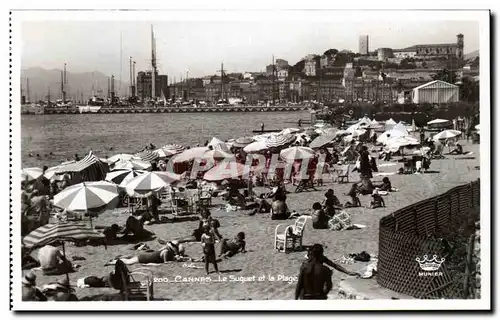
[402, 141]
[30, 174]
[447, 134]
[255, 146]
[296, 153]
[190, 155]
[87, 196]
[133, 164]
[215, 141]
[151, 182]
[219, 151]
[289, 131]
[120, 157]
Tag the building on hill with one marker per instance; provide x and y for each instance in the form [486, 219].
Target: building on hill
[446, 50]
[384, 53]
[364, 47]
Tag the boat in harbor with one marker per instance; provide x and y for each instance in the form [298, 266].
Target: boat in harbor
[93, 106]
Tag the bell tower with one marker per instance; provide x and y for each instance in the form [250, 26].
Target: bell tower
[460, 46]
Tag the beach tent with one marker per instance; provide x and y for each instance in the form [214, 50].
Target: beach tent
[399, 130]
[389, 124]
[90, 168]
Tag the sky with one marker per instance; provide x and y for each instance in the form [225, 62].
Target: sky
[199, 47]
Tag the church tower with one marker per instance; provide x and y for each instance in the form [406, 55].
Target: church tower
[460, 46]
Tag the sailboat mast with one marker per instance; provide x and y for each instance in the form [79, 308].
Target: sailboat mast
[121, 63]
[274, 74]
[153, 65]
[28, 90]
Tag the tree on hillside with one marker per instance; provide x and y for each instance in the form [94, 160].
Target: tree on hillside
[445, 75]
[331, 52]
[469, 90]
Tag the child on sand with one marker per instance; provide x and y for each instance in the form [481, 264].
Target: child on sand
[377, 200]
[228, 248]
[353, 193]
[330, 202]
[208, 244]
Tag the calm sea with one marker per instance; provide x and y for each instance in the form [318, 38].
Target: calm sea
[66, 135]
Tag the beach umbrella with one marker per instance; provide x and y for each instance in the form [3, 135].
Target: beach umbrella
[279, 140]
[87, 196]
[151, 182]
[296, 153]
[190, 154]
[357, 133]
[132, 164]
[120, 157]
[30, 174]
[447, 134]
[289, 131]
[226, 170]
[147, 156]
[215, 141]
[402, 141]
[51, 173]
[63, 231]
[242, 142]
[374, 125]
[219, 151]
[323, 140]
[169, 150]
[255, 146]
[438, 121]
[122, 176]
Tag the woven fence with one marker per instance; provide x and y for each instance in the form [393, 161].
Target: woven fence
[412, 232]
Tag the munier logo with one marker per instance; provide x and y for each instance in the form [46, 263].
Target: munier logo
[430, 265]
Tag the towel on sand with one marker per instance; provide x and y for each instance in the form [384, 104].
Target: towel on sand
[380, 174]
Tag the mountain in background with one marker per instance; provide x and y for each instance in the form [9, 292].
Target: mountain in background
[41, 79]
[471, 55]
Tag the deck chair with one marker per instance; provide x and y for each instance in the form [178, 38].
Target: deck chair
[204, 198]
[122, 279]
[291, 237]
[343, 174]
[305, 184]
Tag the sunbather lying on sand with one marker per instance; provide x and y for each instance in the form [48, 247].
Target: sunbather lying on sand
[228, 248]
[173, 251]
[134, 231]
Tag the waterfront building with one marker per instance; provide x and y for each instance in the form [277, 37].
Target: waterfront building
[144, 85]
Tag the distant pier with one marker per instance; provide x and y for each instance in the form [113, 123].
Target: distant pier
[117, 110]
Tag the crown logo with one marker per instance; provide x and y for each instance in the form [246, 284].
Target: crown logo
[427, 264]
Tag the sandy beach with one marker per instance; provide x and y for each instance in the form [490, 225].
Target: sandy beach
[251, 275]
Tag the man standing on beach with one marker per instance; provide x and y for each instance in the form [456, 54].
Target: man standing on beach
[315, 279]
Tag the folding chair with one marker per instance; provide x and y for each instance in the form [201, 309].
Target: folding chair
[343, 174]
[291, 237]
[130, 288]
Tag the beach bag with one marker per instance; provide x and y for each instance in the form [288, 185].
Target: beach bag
[341, 220]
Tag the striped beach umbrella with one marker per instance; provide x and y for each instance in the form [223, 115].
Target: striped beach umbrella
[122, 176]
[65, 231]
[149, 182]
[132, 164]
[279, 140]
[296, 153]
[88, 196]
[323, 140]
[242, 142]
[30, 174]
[147, 155]
[169, 150]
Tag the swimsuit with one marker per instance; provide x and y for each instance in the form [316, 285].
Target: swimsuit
[150, 257]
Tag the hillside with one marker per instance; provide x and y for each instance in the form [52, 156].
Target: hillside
[40, 80]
